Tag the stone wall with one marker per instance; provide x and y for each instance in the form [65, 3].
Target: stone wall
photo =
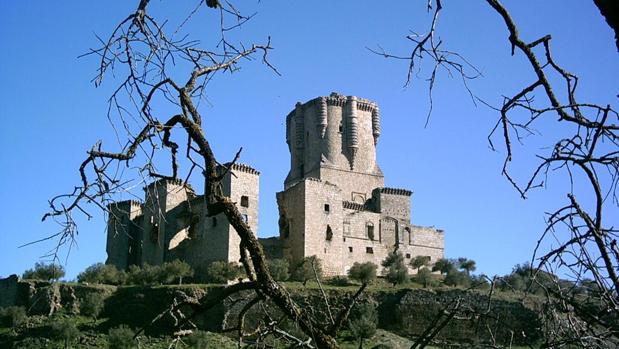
[158, 229]
[122, 231]
[242, 185]
[173, 223]
[427, 241]
[323, 224]
[291, 205]
[393, 202]
[9, 291]
[406, 312]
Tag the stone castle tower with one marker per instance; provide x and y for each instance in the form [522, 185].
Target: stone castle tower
[173, 223]
[334, 204]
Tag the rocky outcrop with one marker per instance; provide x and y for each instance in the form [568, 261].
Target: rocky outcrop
[46, 298]
[407, 313]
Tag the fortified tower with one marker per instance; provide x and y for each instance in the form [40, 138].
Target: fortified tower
[335, 204]
[174, 223]
[334, 139]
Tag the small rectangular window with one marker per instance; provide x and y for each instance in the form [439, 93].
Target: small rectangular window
[327, 208]
[369, 250]
[349, 248]
[408, 255]
[244, 201]
[214, 221]
[245, 218]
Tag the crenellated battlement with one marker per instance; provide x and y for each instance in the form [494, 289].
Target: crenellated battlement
[170, 181]
[134, 203]
[334, 132]
[395, 191]
[349, 205]
[243, 168]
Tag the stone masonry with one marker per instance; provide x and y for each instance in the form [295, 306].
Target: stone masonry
[334, 204]
[173, 223]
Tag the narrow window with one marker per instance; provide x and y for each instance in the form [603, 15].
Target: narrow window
[244, 201]
[192, 231]
[214, 221]
[408, 236]
[370, 230]
[408, 255]
[327, 208]
[245, 218]
[154, 234]
[350, 249]
[329, 236]
[369, 250]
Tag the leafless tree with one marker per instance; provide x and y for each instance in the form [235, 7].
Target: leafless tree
[160, 69]
[586, 152]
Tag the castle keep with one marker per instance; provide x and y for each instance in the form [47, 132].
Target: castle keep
[334, 204]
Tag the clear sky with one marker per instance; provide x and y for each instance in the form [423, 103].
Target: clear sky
[51, 113]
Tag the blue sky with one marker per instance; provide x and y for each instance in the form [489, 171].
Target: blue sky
[51, 113]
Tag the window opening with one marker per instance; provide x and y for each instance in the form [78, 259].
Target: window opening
[244, 201]
[329, 235]
[370, 230]
[154, 234]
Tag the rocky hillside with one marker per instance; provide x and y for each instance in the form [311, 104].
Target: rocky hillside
[403, 312]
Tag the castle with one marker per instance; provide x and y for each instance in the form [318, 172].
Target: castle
[334, 204]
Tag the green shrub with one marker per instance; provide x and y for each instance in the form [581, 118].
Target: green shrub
[466, 265]
[395, 269]
[66, 331]
[457, 278]
[419, 262]
[100, 273]
[91, 305]
[221, 272]
[364, 273]
[120, 338]
[198, 340]
[443, 265]
[362, 323]
[175, 270]
[42, 271]
[339, 280]
[424, 277]
[279, 268]
[307, 269]
[145, 275]
[13, 316]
